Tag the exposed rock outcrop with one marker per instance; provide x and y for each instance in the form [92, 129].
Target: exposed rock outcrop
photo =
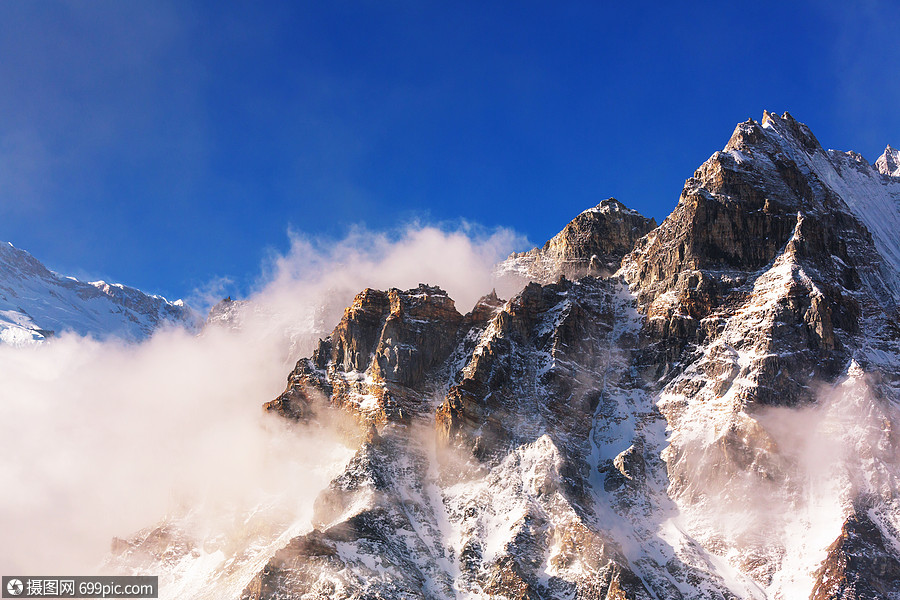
[377, 361]
[773, 274]
[593, 243]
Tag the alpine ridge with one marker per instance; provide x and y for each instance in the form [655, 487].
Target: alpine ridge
[704, 409]
[36, 303]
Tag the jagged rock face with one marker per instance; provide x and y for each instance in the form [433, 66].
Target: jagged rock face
[775, 272]
[375, 551]
[377, 360]
[593, 243]
[540, 327]
[540, 401]
[720, 419]
[769, 211]
[529, 385]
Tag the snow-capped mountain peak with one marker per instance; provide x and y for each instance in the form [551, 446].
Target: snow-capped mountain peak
[36, 303]
[889, 162]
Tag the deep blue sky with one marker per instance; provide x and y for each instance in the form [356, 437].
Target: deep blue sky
[165, 144]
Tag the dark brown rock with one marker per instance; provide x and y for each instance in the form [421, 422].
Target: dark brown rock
[376, 361]
[859, 565]
[485, 309]
[744, 207]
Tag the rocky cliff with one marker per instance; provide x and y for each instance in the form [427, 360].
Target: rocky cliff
[707, 409]
[774, 284]
[593, 243]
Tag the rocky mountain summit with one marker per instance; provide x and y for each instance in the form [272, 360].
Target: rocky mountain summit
[379, 363]
[889, 162]
[593, 243]
[704, 409]
[36, 303]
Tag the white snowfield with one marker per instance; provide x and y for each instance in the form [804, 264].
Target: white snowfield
[36, 304]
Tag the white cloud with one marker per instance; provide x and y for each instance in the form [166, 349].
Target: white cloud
[100, 439]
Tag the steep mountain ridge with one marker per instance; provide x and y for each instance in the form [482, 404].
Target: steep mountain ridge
[711, 410]
[36, 303]
[773, 280]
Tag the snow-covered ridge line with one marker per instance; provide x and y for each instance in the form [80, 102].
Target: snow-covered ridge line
[37, 303]
[611, 205]
[871, 197]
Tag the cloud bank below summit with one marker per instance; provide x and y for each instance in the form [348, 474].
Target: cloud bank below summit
[102, 438]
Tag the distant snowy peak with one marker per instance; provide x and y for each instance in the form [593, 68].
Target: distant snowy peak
[889, 162]
[36, 303]
[228, 313]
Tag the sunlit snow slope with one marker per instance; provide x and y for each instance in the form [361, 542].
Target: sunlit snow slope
[36, 303]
